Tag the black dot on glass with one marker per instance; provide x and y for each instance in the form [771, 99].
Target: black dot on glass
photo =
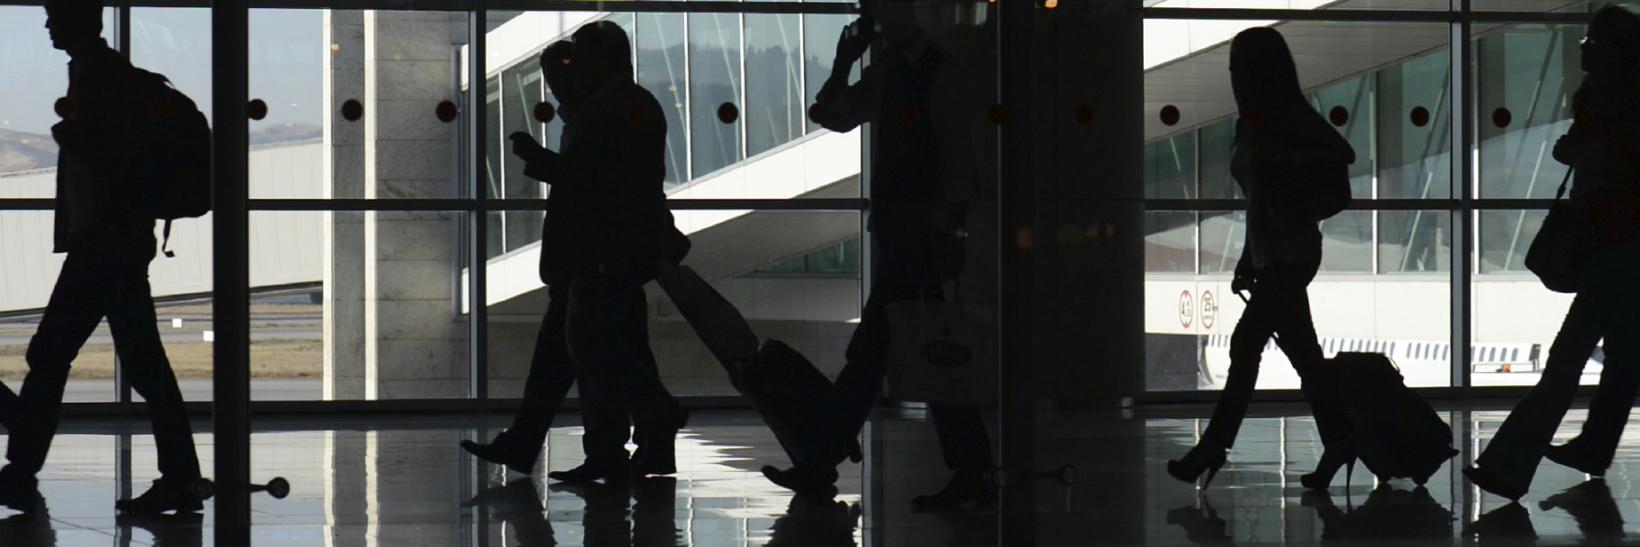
[1169, 115]
[446, 111]
[257, 109]
[728, 113]
[1501, 117]
[1339, 116]
[1084, 115]
[1419, 117]
[544, 112]
[352, 110]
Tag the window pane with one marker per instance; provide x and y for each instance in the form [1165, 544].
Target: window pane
[1529, 72]
[1170, 167]
[820, 32]
[661, 71]
[1414, 125]
[1346, 243]
[774, 93]
[795, 276]
[1218, 140]
[1515, 316]
[521, 91]
[714, 81]
[32, 76]
[1170, 241]
[1222, 236]
[1414, 241]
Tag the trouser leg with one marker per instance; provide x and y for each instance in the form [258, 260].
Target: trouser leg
[552, 372]
[77, 304]
[1246, 350]
[963, 439]
[1515, 451]
[131, 319]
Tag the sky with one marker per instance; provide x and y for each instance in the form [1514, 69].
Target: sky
[287, 48]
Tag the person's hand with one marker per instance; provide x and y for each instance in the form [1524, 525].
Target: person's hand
[855, 40]
[1567, 149]
[1242, 282]
[524, 144]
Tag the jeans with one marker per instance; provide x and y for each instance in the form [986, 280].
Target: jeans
[1516, 450]
[97, 283]
[552, 372]
[606, 326]
[1280, 308]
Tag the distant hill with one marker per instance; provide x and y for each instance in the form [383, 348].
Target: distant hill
[26, 151]
[285, 132]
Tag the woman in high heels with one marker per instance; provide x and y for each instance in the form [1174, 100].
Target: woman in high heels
[1281, 146]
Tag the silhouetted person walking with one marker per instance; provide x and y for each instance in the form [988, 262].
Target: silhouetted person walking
[552, 372]
[1279, 139]
[1603, 149]
[607, 229]
[918, 211]
[109, 243]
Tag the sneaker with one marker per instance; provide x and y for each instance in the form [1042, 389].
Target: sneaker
[963, 489]
[814, 483]
[502, 452]
[182, 496]
[19, 492]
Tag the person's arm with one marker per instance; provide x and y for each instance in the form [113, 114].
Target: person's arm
[844, 106]
[610, 153]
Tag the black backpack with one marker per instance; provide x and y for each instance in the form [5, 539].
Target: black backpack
[172, 168]
[1395, 432]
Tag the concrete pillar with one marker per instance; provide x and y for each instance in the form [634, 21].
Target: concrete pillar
[1072, 255]
[415, 339]
[344, 232]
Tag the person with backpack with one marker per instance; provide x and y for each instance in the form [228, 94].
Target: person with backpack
[1293, 168]
[607, 232]
[1603, 149]
[552, 372]
[103, 179]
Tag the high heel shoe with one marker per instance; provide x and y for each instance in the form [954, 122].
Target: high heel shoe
[1327, 468]
[1201, 459]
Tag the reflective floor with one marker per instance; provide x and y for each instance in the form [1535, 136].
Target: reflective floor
[403, 481]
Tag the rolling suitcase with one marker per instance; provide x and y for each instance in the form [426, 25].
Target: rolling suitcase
[785, 388]
[1395, 432]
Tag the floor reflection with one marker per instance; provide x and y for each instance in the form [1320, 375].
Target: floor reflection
[357, 483]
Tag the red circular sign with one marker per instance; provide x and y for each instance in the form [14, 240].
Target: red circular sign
[1187, 309]
[1210, 309]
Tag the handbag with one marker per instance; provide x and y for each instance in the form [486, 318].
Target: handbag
[942, 353]
[1557, 253]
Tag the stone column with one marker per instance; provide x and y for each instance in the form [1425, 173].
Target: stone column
[1072, 255]
[344, 232]
[415, 338]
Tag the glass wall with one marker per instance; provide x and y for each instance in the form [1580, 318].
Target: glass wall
[1388, 264]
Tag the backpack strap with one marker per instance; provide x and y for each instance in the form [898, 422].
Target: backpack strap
[164, 247]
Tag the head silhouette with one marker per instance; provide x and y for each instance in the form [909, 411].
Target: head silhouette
[602, 54]
[1262, 73]
[895, 21]
[73, 24]
[1612, 43]
[555, 69]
